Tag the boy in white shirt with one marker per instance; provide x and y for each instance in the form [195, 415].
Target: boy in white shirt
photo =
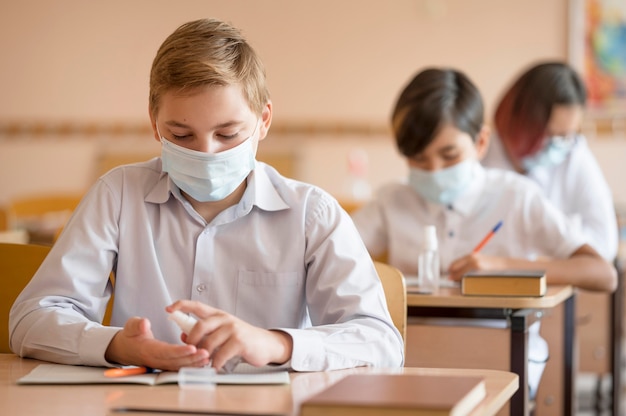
[273, 269]
[439, 128]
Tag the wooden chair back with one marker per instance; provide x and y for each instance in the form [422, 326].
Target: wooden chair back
[41, 215]
[4, 213]
[41, 204]
[395, 293]
[18, 263]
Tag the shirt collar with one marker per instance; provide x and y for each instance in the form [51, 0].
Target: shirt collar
[160, 192]
[262, 192]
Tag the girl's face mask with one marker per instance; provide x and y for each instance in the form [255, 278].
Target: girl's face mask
[208, 176]
[554, 152]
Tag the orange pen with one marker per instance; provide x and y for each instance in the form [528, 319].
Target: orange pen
[487, 238]
[127, 371]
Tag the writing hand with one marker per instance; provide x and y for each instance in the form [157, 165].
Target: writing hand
[475, 261]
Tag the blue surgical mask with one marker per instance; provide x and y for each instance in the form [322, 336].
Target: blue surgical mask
[208, 176]
[443, 186]
[555, 151]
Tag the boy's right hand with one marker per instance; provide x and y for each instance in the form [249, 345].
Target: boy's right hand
[475, 261]
[227, 337]
[135, 345]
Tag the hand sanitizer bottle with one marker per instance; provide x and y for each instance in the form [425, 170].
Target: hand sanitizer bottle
[428, 261]
[359, 189]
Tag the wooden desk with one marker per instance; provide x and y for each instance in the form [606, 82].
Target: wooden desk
[65, 400]
[516, 314]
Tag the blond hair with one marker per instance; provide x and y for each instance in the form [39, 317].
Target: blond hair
[207, 52]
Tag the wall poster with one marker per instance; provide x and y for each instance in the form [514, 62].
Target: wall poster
[598, 51]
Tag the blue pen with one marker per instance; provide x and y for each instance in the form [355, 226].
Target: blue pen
[487, 237]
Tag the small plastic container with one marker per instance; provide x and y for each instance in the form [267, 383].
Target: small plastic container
[428, 262]
[196, 378]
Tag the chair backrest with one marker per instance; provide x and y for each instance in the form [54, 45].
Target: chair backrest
[41, 204]
[41, 215]
[18, 263]
[395, 293]
[4, 213]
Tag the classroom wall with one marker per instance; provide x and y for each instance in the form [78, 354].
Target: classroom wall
[75, 76]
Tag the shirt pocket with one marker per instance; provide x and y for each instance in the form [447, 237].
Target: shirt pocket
[271, 299]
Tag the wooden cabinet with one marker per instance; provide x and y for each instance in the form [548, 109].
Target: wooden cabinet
[593, 323]
[597, 352]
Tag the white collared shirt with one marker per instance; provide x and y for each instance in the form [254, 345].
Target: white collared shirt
[578, 188]
[393, 222]
[285, 257]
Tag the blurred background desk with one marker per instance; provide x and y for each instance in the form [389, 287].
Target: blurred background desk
[449, 329]
[57, 400]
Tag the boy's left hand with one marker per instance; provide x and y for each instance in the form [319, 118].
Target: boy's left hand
[135, 345]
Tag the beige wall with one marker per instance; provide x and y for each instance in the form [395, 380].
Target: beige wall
[326, 59]
[329, 62]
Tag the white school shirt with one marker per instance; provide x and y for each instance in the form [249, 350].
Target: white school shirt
[285, 257]
[393, 222]
[578, 188]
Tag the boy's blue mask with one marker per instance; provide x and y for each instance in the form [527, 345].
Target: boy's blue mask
[443, 186]
[555, 151]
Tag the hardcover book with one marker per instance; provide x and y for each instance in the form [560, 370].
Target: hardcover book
[397, 395]
[505, 283]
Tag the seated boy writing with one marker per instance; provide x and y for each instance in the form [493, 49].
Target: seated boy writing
[439, 129]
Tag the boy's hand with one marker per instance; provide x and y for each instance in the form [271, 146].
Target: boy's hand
[135, 345]
[225, 336]
[475, 261]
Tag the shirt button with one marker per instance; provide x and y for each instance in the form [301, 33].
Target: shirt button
[201, 288]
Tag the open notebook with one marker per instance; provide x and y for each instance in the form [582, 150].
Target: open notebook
[73, 374]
